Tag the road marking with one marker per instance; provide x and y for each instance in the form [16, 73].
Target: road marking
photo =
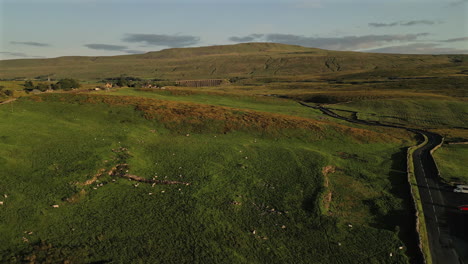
[427, 184]
[430, 196]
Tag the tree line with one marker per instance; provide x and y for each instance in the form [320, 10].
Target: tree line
[128, 81]
[63, 84]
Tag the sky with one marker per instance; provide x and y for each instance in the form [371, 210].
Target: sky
[53, 28]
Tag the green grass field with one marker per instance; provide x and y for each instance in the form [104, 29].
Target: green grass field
[254, 196]
[421, 113]
[246, 101]
[451, 160]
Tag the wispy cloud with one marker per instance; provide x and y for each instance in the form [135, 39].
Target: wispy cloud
[109, 47]
[134, 51]
[419, 48]
[458, 3]
[405, 23]
[249, 38]
[456, 39]
[18, 54]
[384, 24]
[419, 22]
[30, 43]
[106, 47]
[173, 41]
[337, 43]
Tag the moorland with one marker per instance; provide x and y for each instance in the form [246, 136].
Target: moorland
[234, 173]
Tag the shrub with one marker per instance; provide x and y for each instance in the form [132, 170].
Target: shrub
[66, 84]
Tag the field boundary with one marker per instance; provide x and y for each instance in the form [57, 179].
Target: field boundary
[421, 228]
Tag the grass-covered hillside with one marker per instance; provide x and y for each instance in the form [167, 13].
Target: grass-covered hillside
[126, 179]
[235, 173]
[236, 61]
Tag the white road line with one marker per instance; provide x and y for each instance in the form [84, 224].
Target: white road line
[430, 196]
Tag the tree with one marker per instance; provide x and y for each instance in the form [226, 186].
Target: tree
[56, 86]
[42, 87]
[121, 82]
[67, 84]
[28, 86]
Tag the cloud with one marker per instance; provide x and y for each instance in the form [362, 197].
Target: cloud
[109, 47]
[106, 47]
[405, 23]
[338, 43]
[30, 43]
[456, 39]
[418, 22]
[419, 48]
[383, 24]
[458, 3]
[343, 43]
[173, 41]
[134, 51]
[19, 54]
[14, 54]
[248, 38]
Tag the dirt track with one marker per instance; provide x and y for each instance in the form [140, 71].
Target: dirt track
[8, 101]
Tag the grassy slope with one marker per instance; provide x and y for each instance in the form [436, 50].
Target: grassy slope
[426, 113]
[241, 60]
[47, 147]
[257, 103]
[451, 160]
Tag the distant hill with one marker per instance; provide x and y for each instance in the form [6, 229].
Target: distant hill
[240, 60]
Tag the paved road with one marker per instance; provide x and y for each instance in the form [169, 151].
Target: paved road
[447, 227]
[438, 203]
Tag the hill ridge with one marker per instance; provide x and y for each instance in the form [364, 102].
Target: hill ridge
[224, 61]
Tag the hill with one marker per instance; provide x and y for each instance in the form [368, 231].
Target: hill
[240, 60]
[244, 185]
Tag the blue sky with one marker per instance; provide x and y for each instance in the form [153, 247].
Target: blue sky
[52, 28]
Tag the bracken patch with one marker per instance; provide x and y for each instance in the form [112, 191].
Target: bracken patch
[183, 117]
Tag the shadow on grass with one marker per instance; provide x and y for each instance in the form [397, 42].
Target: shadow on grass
[403, 220]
